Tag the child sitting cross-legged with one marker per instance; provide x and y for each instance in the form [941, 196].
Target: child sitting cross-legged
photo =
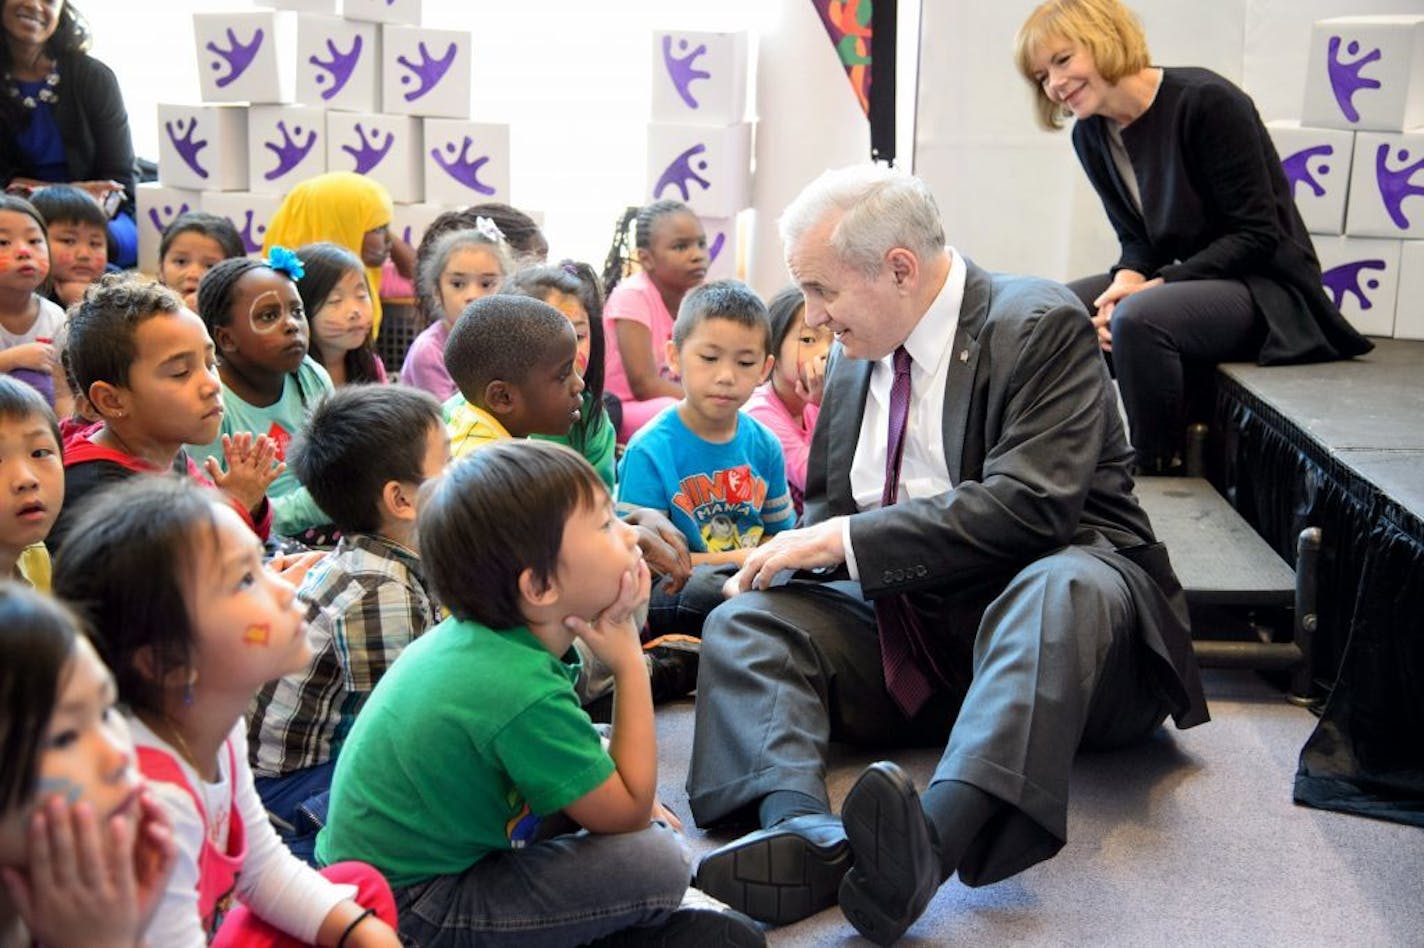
[145, 364]
[472, 750]
[363, 455]
[513, 359]
[718, 473]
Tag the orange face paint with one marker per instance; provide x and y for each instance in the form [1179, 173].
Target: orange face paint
[257, 634]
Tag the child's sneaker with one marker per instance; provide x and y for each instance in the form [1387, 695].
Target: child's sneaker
[672, 665]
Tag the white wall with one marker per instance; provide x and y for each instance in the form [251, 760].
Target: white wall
[1013, 196]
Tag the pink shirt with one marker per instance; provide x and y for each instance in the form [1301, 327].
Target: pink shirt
[425, 362]
[637, 299]
[793, 433]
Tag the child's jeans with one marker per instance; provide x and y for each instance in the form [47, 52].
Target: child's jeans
[566, 890]
[283, 797]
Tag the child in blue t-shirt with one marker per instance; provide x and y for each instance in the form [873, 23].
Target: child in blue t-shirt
[720, 475]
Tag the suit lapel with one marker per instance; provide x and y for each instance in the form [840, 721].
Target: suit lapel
[963, 360]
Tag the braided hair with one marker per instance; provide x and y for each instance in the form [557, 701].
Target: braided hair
[621, 254]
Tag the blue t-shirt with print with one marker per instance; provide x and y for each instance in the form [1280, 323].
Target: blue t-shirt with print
[721, 496]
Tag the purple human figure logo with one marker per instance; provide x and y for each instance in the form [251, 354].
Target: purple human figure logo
[237, 58]
[429, 71]
[1298, 171]
[714, 249]
[461, 167]
[288, 151]
[1345, 78]
[679, 173]
[1346, 279]
[339, 68]
[368, 154]
[405, 235]
[1395, 184]
[188, 149]
[681, 69]
[161, 221]
[251, 235]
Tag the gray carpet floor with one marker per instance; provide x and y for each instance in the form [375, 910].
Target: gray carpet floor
[1190, 839]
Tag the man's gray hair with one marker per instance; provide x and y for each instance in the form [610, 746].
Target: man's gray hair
[881, 209]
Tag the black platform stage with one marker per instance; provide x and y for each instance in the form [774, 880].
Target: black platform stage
[1340, 446]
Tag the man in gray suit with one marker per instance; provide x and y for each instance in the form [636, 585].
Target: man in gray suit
[973, 568]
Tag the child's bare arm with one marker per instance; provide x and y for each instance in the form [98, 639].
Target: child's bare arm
[716, 559]
[624, 802]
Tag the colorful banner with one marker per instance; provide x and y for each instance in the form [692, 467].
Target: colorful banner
[849, 26]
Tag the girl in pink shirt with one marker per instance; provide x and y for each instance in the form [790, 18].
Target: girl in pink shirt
[790, 400]
[671, 248]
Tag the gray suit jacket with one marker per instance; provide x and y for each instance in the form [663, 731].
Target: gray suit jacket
[1039, 459]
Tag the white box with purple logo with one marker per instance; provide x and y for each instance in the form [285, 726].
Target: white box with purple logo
[286, 144]
[1365, 73]
[1387, 185]
[1362, 276]
[722, 246]
[328, 7]
[1316, 162]
[203, 147]
[410, 221]
[699, 78]
[1409, 310]
[157, 206]
[385, 147]
[465, 162]
[705, 167]
[248, 212]
[339, 63]
[425, 72]
[384, 11]
[246, 57]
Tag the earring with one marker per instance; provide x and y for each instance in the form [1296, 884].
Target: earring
[188, 689]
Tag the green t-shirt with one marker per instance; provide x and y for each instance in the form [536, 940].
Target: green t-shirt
[469, 739]
[293, 509]
[596, 446]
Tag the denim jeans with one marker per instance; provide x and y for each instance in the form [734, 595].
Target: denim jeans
[283, 795]
[566, 890]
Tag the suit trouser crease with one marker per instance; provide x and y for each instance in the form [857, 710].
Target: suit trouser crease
[1057, 663]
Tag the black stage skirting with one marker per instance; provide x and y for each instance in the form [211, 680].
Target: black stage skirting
[1341, 447]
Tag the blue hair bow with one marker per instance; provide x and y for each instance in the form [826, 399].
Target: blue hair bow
[285, 261]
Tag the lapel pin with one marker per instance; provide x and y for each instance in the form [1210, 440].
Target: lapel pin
[964, 355]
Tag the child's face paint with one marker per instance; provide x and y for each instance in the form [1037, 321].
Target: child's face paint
[78, 251]
[267, 327]
[343, 321]
[572, 307]
[86, 753]
[24, 252]
[249, 624]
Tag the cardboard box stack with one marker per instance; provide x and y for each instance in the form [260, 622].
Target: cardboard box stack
[1355, 162]
[303, 88]
[699, 141]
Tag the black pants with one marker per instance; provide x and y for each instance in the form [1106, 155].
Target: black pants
[1159, 337]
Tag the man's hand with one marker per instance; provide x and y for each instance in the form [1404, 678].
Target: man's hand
[807, 548]
[664, 547]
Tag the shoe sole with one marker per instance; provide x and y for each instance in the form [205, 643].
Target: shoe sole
[674, 643]
[861, 908]
[776, 879]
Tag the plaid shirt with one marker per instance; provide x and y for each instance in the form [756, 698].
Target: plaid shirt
[367, 601]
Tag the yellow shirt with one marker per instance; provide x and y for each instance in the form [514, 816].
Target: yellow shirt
[472, 428]
[33, 566]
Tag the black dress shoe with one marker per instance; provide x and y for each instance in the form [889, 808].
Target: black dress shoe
[896, 870]
[782, 874]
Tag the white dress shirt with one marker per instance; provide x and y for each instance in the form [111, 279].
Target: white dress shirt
[923, 471]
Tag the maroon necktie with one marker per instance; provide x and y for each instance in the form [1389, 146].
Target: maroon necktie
[900, 636]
